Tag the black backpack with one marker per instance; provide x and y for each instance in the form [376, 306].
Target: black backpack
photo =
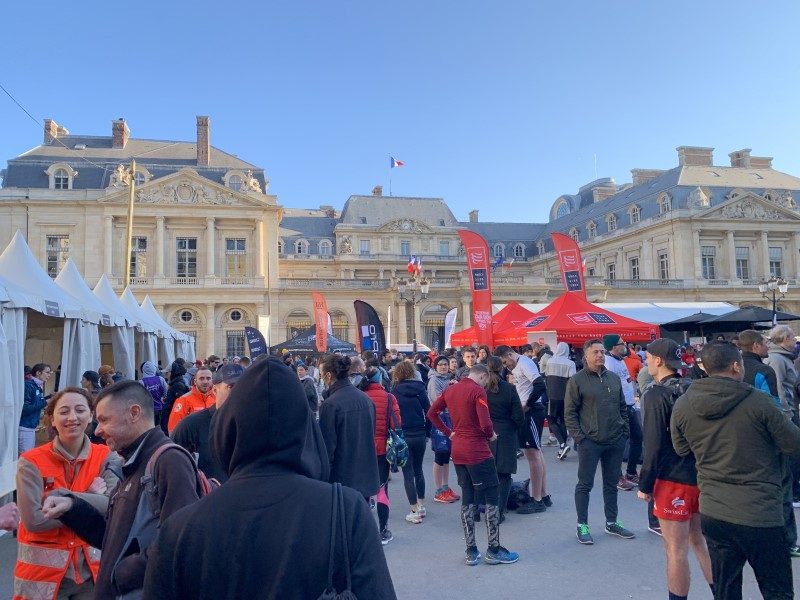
[518, 496]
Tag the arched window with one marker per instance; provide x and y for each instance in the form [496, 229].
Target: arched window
[519, 250]
[61, 179]
[591, 229]
[297, 321]
[301, 247]
[61, 176]
[573, 233]
[635, 214]
[280, 246]
[665, 203]
[611, 221]
[340, 325]
[235, 183]
[325, 248]
[540, 247]
[498, 250]
[562, 210]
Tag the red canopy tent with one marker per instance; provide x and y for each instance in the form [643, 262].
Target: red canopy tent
[576, 320]
[511, 315]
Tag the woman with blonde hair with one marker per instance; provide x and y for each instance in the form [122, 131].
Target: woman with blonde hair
[52, 561]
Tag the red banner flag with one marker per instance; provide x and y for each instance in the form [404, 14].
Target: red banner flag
[478, 263]
[569, 259]
[321, 319]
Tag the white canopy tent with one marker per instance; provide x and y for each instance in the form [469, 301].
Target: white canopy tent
[166, 344]
[124, 337]
[146, 344]
[12, 357]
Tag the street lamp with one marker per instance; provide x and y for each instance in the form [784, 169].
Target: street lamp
[775, 286]
[412, 291]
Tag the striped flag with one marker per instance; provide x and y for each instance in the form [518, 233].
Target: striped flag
[412, 264]
[393, 162]
[419, 266]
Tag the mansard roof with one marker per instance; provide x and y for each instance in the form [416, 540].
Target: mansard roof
[377, 210]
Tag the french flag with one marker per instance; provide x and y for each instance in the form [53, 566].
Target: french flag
[395, 163]
[419, 266]
[412, 264]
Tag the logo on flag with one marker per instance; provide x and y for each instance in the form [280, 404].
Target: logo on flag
[602, 318]
[395, 163]
[482, 319]
[537, 320]
[569, 258]
[580, 318]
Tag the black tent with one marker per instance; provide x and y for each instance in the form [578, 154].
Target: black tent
[687, 323]
[305, 342]
[754, 314]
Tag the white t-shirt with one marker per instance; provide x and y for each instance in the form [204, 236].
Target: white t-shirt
[525, 373]
[620, 369]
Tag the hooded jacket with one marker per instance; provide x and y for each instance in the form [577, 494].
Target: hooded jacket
[414, 404]
[782, 362]
[737, 436]
[760, 375]
[557, 371]
[266, 533]
[154, 383]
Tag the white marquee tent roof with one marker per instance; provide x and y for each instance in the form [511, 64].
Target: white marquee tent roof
[129, 301]
[151, 313]
[105, 293]
[70, 280]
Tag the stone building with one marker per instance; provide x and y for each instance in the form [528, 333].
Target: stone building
[216, 252]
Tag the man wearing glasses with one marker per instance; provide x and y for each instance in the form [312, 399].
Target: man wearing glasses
[33, 405]
[193, 431]
[616, 351]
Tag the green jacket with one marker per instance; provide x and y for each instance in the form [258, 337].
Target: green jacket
[737, 435]
[594, 407]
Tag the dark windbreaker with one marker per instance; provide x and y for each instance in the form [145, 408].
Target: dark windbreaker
[243, 540]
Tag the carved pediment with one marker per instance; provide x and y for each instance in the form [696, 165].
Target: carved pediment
[406, 226]
[185, 187]
[750, 207]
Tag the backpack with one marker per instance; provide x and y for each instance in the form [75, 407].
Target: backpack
[396, 446]
[518, 495]
[148, 512]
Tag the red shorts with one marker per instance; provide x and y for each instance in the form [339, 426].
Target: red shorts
[675, 501]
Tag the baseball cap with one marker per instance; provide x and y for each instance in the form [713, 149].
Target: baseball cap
[229, 373]
[667, 350]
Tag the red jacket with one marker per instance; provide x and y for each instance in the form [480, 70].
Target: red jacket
[469, 410]
[380, 398]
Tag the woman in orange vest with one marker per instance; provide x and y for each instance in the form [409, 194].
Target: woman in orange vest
[52, 561]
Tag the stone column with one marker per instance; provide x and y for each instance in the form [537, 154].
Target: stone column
[698, 260]
[402, 323]
[647, 259]
[466, 312]
[764, 248]
[730, 243]
[211, 235]
[160, 251]
[108, 246]
[210, 330]
[621, 266]
[261, 257]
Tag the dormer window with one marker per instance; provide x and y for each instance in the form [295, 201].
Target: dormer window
[635, 214]
[611, 221]
[664, 203]
[301, 247]
[519, 250]
[540, 247]
[325, 248]
[61, 180]
[61, 176]
[235, 183]
[591, 230]
[562, 210]
[573, 233]
[498, 250]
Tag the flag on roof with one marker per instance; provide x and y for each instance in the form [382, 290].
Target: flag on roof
[412, 264]
[498, 262]
[395, 163]
[508, 264]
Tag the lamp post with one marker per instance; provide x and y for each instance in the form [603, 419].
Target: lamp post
[777, 286]
[412, 291]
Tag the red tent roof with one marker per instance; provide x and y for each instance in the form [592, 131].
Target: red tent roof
[512, 315]
[576, 320]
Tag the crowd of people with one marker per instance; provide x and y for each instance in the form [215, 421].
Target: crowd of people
[281, 454]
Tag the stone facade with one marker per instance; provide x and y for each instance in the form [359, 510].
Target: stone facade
[216, 252]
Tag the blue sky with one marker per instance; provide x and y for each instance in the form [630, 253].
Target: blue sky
[500, 106]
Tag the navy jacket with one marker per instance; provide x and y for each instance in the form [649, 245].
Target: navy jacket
[414, 404]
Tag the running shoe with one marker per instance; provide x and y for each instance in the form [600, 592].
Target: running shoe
[551, 441]
[422, 512]
[520, 454]
[442, 497]
[624, 485]
[655, 529]
[632, 478]
[529, 508]
[500, 556]
[796, 503]
[452, 495]
[472, 556]
[548, 502]
[562, 453]
[583, 535]
[794, 552]
[386, 536]
[413, 517]
[619, 530]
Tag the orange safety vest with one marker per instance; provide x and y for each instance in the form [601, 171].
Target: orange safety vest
[44, 557]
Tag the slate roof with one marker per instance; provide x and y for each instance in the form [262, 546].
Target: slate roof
[377, 210]
[96, 163]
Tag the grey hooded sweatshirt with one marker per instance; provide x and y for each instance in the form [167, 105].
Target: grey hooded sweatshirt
[782, 362]
[737, 435]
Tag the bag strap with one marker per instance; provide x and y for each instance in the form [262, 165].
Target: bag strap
[343, 528]
[334, 524]
[390, 424]
[151, 465]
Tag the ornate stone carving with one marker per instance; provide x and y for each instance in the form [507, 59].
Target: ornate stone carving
[345, 245]
[251, 183]
[786, 200]
[698, 199]
[119, 176]
[748, 209]
[406, 226]
[183, 192]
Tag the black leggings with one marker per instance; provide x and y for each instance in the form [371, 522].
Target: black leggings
[413, 477]
[503, 490]
[555, 420]
[383, 477]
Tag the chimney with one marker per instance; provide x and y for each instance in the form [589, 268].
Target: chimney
[50, 131]
[760, 162]
[377, 190]
[644, 175]
[694, 156]
[473, 216]
[741, 158]
[329, 211]
[119, 133]
[203, 141]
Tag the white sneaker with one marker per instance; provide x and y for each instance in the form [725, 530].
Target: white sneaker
[422, 512]
[414, 517]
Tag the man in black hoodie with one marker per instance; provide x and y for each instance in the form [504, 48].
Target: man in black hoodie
[738, 436]
[267, 532]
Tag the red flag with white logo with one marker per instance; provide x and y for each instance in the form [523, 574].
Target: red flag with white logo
[321, 320]
[569, 259]
[478, 264]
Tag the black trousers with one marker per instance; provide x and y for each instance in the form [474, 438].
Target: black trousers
[413, 476]
[635, 441]
[555, 420]
[383, 475]
[610, 458]
[731, 545]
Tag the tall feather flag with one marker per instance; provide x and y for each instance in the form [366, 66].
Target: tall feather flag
[571, 263]
[369, 329]
[321, 320]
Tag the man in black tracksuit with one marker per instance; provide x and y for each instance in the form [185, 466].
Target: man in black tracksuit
[667, 479]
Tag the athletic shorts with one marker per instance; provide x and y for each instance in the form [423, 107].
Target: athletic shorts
[675, 501]
[534, 425]
[480, 476]
[441, 458]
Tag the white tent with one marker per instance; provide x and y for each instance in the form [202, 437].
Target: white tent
[146, 345]
[124, 339]
[166, 344]
[12, 356]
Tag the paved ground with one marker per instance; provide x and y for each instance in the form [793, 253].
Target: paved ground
[426, 560]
